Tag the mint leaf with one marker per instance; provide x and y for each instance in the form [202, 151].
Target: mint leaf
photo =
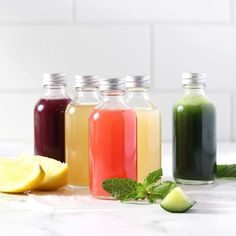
[128, 189]
[160, 191]
[226, 171]
[140, 192]
[124, 189]
[152, 178]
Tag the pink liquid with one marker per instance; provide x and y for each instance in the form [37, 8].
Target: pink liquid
[49, 137]
[112, 147]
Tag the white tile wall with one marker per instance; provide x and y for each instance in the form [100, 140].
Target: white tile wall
[28, 51]
[17, 115]
[28, 11]
[114, 38]
[211, 49]
[152, 10]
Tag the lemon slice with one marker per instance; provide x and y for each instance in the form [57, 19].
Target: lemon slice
[56, 172]
[18, 176]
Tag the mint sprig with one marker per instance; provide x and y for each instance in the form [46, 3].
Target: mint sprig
[226, 171]
[128, 189]
[160, 191]
[123, 189]
[153, 177]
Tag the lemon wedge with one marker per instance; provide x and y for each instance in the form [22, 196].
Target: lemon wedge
[56, 172]
[18, 176]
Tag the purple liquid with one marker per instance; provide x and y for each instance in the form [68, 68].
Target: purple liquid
[49, 128]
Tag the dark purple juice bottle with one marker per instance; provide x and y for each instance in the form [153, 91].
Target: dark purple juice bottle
[49, 128]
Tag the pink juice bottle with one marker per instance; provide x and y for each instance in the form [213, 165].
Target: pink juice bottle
[112, 138]
[49, 128]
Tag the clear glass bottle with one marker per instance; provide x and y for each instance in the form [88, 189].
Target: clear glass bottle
[194, 133]
[76, 124]
[112, 138]
[148, 123]
[49, 111]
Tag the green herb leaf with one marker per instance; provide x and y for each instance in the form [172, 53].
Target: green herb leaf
[152, 178]
[226, 171]
[128, 189]
[140, 192]
[160, 191]
[124, 189]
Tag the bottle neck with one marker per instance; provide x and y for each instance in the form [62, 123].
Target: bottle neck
[87, 95]
[113, 100]
[138, 93]
[194, 90]
[55, 92]
[113, 94]
[138, 98]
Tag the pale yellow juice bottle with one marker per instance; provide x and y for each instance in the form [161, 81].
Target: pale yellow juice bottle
[149, 141]
[148, 125]
[76, 129]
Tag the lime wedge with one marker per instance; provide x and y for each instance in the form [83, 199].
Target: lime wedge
[177, 201]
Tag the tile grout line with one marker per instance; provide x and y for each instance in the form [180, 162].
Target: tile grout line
[31, 90]
[25, 91]
[232, 116]
[74, 11]
[180, 89]
[151, 48]
[231, 11]
[117, 23]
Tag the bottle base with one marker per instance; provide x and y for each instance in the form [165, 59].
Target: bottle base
[78, 186]
[193, 182]
[104, 197]
[101, 196]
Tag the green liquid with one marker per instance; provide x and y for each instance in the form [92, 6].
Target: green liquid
[194, 139]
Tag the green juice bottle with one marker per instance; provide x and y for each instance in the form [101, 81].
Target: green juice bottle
[194, 133]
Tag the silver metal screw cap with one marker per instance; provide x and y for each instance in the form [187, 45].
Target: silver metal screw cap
[112, 84]
[54, 79]
[86, 81]
[138, 81]
[190, 78]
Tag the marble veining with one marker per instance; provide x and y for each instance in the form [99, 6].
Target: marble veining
[70, 212]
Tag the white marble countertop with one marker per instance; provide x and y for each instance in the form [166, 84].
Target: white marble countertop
[74, 212]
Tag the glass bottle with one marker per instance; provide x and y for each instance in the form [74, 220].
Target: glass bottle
[49, 112]
[194, 133]
[112, 138]
[76, 124]
[148, 123]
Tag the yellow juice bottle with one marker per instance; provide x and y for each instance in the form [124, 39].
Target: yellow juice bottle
[149, 141]
[148, 125]
[76, 129]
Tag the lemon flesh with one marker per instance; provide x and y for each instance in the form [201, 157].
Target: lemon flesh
[18, 176]
[56, 172]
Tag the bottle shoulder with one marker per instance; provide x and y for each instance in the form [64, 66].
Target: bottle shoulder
[193, 100]
[194, 105]
[141, 103]
[53, 101]
[75, 108]
[86, 99]
[55, 97]
[75, 102]
[44, 103]
[112, 104]
[113, 114]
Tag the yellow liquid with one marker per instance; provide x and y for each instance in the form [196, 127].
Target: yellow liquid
[149, 141]
[76, 143]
